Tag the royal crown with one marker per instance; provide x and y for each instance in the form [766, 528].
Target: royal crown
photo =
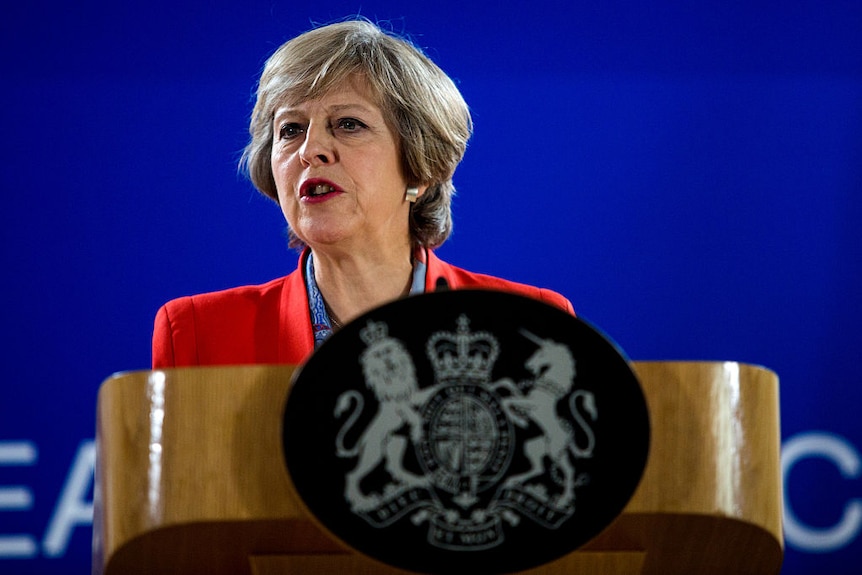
[463, 356]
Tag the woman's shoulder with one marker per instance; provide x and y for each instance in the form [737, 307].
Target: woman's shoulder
[238, 325]
[230, 297]
[460, 278]
[222, 310]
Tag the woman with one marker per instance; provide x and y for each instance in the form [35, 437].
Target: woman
[355, 134]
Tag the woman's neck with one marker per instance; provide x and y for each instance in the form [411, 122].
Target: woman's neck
[353, 284]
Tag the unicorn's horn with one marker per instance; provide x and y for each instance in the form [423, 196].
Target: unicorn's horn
[534, 338]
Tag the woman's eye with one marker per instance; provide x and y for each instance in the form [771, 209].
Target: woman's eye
[289, 131]
[350, 124]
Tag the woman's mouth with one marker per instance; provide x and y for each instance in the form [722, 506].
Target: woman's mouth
[317, 191]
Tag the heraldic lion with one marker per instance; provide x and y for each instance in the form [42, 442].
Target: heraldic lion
[390, 375]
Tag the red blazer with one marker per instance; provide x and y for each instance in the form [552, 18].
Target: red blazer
[271, 323]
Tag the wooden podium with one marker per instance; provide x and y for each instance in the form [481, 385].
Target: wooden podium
[191, 479]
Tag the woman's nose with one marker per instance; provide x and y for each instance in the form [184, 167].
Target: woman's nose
[317, 148]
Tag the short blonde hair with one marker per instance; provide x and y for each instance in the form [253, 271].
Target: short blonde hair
[421, 103]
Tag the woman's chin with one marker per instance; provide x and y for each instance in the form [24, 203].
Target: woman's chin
[325, 238]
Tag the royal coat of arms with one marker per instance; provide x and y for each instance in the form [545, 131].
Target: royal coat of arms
[462, 432]
[465, 432]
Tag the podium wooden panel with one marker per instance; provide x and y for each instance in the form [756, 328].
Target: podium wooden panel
[190, 479]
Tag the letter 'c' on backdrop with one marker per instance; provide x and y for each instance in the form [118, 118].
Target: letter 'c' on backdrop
[466, 431]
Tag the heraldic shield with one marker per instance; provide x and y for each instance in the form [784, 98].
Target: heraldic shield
[466, 432]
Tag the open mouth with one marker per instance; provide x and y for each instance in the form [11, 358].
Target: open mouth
[319, 190]
[312, 189]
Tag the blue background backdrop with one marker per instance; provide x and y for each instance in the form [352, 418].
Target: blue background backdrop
[688, 175]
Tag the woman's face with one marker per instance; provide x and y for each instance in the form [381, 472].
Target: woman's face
[337, 169]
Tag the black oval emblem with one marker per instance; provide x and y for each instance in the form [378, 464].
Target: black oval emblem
[466, 432]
